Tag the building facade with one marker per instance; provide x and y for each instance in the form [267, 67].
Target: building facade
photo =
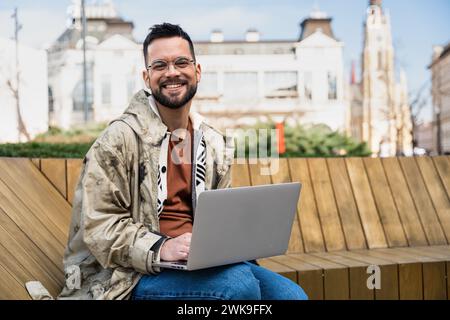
[440, 90]
[114, 61]
[24, 103]
[380, 109]
[245, 81]
[424, 136]
[293, 81]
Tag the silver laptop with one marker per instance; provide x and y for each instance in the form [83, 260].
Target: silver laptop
[239, 224]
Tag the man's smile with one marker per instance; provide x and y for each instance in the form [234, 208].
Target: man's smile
[174, 87]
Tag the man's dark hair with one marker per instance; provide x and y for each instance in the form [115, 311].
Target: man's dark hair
[166, 30]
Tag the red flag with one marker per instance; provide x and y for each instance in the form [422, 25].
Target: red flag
[280, 135]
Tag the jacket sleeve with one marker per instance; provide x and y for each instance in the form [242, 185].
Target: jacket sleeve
[225, 166]
[109, 230]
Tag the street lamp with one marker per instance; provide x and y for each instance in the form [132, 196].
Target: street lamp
[83, 35]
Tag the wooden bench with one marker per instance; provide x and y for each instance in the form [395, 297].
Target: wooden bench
[393, 213]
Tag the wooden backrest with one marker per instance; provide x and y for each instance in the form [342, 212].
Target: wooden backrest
[345, 203]
[359, 203]
[34, 223]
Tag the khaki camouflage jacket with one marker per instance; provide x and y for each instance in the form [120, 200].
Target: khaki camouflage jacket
[115, 226]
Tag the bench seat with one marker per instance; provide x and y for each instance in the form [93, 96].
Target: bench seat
[405, 273]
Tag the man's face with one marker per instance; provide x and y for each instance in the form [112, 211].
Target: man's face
[173, 86]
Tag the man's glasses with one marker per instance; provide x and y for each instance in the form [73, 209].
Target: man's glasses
[162, 65]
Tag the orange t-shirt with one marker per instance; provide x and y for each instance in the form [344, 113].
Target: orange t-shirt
[176, 217]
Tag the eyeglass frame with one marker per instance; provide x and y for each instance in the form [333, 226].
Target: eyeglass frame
[168, 63]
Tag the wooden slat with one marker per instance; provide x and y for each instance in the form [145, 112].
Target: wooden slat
[55, 171]
[279, 268]
[10, 288]
[410, 273]
[309, 277]
[293, 263]
[282, 175]
[351, 223]
[389, 283]
[385, 203]
[389, 274]
[336, 276]
[427, 251]
[73, 174]
[314, 260]
[25, 258]
[40, 231]
[410, 281]
[443, 167]
[421, 198]
[364, 256]
[434, 281]
[393, 256]
[312, 283]
[256, 176]
[326, 205]
[434, 274]
[404, 203]
[36, 162]
[366, 205]
[40, 196]
[16, 273]
[240, 176]
[448, 280]
[307, 212]
[357, 275]
[29, 216]
[37, 245]
[436, 191]
[444, 250]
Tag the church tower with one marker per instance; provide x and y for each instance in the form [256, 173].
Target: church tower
[385, 120]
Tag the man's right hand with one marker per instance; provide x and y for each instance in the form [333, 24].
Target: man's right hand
[176, 248]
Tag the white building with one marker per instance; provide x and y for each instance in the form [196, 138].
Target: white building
[293, 81]
[440, 90]
[114, 62]
[380, 112]
[242, 81]
[32, 108]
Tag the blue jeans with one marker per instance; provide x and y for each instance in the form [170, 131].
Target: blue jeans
[241, 281]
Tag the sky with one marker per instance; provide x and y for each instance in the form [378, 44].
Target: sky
[417, 25]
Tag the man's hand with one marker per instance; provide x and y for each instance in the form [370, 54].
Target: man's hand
[176, 248]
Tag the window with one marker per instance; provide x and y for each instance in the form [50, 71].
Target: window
[78, 91]
[332, 89]
[240, 85]
[78, 96]
[308, 85]
[106, 89]
[208, 87]
[280, 84]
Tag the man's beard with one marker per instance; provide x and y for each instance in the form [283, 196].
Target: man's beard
[175, 103]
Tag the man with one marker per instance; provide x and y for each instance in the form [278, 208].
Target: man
[138, 188]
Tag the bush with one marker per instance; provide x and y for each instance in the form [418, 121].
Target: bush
[44, 150]
[312, 141]
[300, 141]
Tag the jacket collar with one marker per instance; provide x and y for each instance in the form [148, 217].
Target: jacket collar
[143, 116]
